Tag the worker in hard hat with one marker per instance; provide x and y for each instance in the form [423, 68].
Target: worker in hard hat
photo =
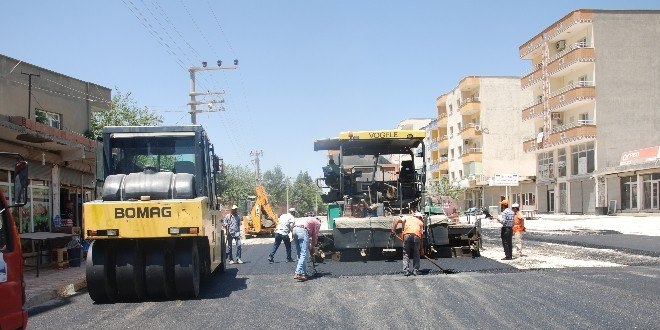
[412, 240]
[506, 233]
[284, 226]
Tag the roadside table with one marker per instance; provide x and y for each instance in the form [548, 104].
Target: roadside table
[41, 237]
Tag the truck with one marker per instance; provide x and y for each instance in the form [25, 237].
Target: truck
[379, 175]
[12, 285]
[261, 220]
[156, 228]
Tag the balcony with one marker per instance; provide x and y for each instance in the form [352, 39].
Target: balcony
[572, 95]
[532, 78]
[470, 106]
[533, 110]
[443, 164]
[471, 155]
[574, 21]
[579, 132]
[470, 130]
[443, 142]
[574, 58]
[442, 119]
[433, 146]
[470, 83]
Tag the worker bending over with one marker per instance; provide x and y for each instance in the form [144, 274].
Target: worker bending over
[412, 240]
[305, 236]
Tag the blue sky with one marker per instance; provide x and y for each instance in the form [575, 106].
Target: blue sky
[307, 69]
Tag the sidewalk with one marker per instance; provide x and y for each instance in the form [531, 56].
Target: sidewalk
[52, 283]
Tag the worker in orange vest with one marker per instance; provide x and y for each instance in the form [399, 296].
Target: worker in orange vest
[518, 228]
[412, 240]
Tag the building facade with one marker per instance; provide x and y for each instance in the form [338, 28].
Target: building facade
[43, 116]
[594, 84]
[478, 136]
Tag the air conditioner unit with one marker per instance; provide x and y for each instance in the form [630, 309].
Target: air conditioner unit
[477, 127]
[560, 45]
[466, 142]
[556, 115]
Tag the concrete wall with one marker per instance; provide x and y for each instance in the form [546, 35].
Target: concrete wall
[627, 83]
[71, 98]
[501, 102]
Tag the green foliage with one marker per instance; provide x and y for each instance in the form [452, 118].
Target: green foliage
[304, 194]
[275, 183]
[124, 111]
[235, 184]
[444, 188]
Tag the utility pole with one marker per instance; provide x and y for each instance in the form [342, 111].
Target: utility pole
[30, 90]
[256, 154]
[193, 93]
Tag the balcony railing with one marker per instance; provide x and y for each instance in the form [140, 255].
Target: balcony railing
[568, 126]
[533, 110]
[572, 93]
[569, 135]
[470, 130]
[532, 78]
[470, 106]
[570, 48]
[570, 86]
[575, 55]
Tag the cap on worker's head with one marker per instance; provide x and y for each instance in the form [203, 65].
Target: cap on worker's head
[418, 215]
[234, 207]
[515, 205]
[293, 209]
[504, 203]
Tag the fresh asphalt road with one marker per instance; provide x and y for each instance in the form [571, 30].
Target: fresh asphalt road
[483, 294]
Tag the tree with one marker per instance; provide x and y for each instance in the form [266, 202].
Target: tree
[304, 193]
[234, 185]
[123, 111]
[445, 188]
[275, 183]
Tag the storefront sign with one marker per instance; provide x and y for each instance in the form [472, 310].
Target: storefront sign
[640, 155]
[504, 180]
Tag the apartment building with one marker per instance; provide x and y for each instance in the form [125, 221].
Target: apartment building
[594, 80]
[478, 137]
[43, 116]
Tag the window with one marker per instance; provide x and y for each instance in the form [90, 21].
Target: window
[451, 131]
[561, 163]
[460, 151]
[460, 126]
[546, 165]
[629, 193]
[48, 118]
[582, 81]
[460, 173]
[582, 159]
[452, 154]
[451, 109]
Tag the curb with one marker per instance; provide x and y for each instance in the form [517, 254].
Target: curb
[64, 291]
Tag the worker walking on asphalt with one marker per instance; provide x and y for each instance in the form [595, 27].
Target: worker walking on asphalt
[284, 225]
[412, 240]
[305, 236]
[506, 233]
[232, 223]
[518, 228]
